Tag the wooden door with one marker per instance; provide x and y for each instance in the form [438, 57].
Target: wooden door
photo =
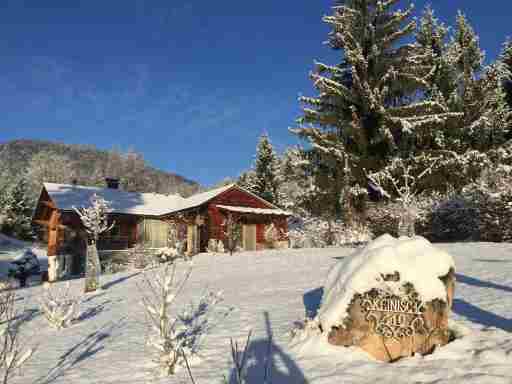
[249, 237]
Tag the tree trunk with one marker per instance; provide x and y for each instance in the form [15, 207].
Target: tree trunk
[407, 221]
[92, 268]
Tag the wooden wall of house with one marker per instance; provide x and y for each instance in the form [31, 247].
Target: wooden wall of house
[236, 197]
[239, 198]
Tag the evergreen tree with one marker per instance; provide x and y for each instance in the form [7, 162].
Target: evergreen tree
[17, 211]
[506, 59]
[369, 105]
[266, 171]
[247, 180]
[432, 37]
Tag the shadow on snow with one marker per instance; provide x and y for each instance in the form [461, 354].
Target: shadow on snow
[480, 283]
[84, 349]
[268, 363]
[481, 316]
[119, 280]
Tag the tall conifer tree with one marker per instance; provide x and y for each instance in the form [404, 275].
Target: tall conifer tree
[506, 59]
[368, 106]
[266, 171]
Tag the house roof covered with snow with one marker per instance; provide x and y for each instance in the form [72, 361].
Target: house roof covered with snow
[262, 211]
[66, 197]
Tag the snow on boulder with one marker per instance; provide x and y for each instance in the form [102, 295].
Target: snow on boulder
[392, 298]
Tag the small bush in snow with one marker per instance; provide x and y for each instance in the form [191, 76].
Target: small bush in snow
[13, 353]
[168, 254]
[454, 220]
[271, 236]
[212, 246]
[176, 335]
[215, 246]
[232, 229]
[220, 246]
[59, 307]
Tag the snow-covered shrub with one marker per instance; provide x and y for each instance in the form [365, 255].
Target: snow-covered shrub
[454, 219]
[491, 197]
[13, 351]
[232, 230]
[384, 217]
[177, 335]
[220, 246]
[24, 266]
[169, 254]
[356, 233]
[215, 246]
[401, 178]
[59, 307]
[314, 232]
[212, 246]
[272, 236]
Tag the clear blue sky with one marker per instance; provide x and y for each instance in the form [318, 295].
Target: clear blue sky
[190, 84]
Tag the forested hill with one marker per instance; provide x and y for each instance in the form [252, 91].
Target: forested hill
[88, 165]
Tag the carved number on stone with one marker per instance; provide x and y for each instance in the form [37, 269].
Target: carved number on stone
[393, 316]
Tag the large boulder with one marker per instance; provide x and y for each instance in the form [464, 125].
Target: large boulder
[392, 298]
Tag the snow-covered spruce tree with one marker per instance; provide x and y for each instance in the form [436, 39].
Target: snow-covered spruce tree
[4, 202]
[369, 101]
[266, 171]
[16, 210]
[506, 67]
[483, 99]
[95, 221]
[477, 100]
[298, 189]
[247, 180]
[432, 37]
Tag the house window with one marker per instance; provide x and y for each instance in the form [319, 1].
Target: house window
[155, 233]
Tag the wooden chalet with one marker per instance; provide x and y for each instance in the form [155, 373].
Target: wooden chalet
[143, 218]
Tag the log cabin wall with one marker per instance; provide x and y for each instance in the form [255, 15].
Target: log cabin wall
[232, 197]
[236, 197]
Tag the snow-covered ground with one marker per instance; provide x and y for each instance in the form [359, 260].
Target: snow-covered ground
[269, 292]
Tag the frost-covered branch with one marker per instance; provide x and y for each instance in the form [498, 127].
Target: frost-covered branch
[95, 217]
[59, 308]
[404, 185]
[175, 333]
[13, 353]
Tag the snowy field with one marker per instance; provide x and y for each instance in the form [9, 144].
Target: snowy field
[270, 291]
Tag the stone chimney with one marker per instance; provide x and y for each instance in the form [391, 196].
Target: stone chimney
[112, 183]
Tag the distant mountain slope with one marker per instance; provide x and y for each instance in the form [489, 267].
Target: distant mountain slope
[91, 165]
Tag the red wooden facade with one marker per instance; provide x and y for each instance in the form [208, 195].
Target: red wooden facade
[239, 198]
[64, 233]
